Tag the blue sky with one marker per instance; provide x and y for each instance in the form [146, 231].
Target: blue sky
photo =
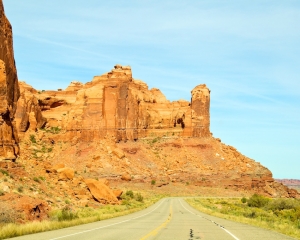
[246, 52]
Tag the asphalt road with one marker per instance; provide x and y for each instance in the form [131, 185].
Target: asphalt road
[170, 218]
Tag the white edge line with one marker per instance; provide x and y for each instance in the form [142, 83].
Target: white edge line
[108, 225]
[211, 221]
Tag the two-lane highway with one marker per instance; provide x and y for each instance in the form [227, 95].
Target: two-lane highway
[170, 218]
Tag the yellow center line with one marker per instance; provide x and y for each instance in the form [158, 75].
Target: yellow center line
[156, 230]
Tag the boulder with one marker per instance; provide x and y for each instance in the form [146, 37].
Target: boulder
[118, 193]
[104, 181]
[58, 166]
[119, 153]
[101, 192]
[126, 177]
[53, 169]
[66, 173]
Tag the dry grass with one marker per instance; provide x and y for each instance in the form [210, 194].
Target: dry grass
[84, 215]
[269, 216]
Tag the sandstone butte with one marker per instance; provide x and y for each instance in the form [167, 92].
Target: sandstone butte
[80, 145]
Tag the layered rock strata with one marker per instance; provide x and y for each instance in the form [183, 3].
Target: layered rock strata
[118, 106]
[9, 90]
[115, 107]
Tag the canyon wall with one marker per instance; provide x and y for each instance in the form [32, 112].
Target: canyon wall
[9, 90]
[117, 106]
[28, 115]
[93, 122]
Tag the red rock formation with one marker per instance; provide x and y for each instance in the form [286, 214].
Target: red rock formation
[22, 209]
[101, 192]
[9, 90]
[115, 107]
[28, 114]
[200, 111]
[118, 106]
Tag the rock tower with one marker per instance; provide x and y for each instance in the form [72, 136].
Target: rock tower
[9, 90]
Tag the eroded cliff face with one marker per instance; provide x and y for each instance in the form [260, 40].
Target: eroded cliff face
[200, 111]
[173, 140]
[116, 105]
[9, 90]
[28, 116]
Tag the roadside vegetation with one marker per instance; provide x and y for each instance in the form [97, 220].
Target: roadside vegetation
[67, 217]
[281, 215]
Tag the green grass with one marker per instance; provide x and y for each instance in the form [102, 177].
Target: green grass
[67, 217]
[53, 130]
[4, 172]
[36, 179]
[32, 138]
[281, 215]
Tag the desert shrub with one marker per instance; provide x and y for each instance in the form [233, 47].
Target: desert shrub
[20, 189]
[125, 202]
[32, 138]
[8, 214]
[55, 130]
[282, 204]
[257, 201]
[42, 178]
[44, 149]
[244, 200]
[129, 193]
[250, 214]
[36, 179]
[155, 140]
[66, 214]
[4, 172]
[139, 197]
[153, 182]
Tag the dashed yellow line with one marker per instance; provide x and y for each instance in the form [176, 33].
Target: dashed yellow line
[156, 230]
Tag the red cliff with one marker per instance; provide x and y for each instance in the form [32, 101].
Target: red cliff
[9, 90]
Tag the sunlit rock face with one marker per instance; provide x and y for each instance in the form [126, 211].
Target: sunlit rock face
[9, 90]
[28, 116]
[118, 106]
